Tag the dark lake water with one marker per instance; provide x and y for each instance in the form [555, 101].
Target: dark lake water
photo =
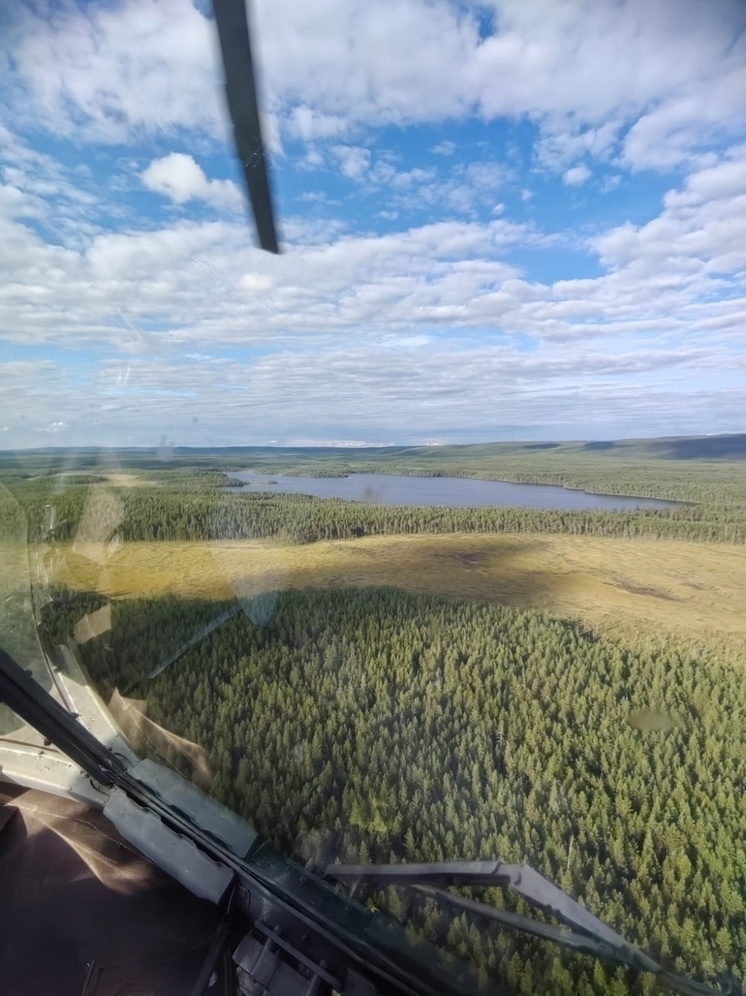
[394, 489]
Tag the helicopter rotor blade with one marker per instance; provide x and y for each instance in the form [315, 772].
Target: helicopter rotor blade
[240, 91]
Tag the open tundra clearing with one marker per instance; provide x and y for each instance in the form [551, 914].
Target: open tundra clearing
[696, 590]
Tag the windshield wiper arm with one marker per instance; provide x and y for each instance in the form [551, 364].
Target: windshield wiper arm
[588, 934]
[273, 891]
[24, 695]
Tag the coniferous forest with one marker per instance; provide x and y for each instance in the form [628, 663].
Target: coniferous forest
[198, 509]
[180, 495]
[406, 728]
[391, 726]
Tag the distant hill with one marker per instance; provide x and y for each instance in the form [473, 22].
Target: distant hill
[731, 446]
[722, 447]
[725, 447]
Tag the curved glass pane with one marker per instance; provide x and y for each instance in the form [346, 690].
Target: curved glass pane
[316, 530]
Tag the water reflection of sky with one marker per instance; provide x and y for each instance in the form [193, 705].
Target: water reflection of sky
[394, 489]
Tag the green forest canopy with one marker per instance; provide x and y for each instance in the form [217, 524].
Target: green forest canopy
[415, 727]
[418, 728]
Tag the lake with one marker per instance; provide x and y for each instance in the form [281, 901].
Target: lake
[462, 492]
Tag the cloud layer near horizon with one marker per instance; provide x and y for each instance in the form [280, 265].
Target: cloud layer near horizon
[531, 222]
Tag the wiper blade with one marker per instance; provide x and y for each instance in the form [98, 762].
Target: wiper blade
[294, 891]
[273, 889]
[240, 93]
[521, 879]
[588, 934]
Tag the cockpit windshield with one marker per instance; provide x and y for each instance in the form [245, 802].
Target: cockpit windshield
[422, 539]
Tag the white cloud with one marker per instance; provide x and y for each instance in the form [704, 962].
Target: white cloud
[457, 188]
[694, 117]
[311, 160]
[385, 392]
[106, 71]
[149, 67]
[15, 203]
[178, 177]
[148, 291]
[576, 175]
[426, 325]
[701, 229]
[486, 175]
[726, 179]
[563, 141]
[416, 177]
[444, 148]
[354, 161]
[317, 197]
[308, 124]
[202, 282]
[560, 63]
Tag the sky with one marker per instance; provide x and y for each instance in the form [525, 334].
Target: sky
[500, 220]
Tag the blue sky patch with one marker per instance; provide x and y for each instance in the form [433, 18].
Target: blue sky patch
[493, 224]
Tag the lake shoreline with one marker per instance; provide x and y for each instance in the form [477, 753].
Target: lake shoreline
[274, 483]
